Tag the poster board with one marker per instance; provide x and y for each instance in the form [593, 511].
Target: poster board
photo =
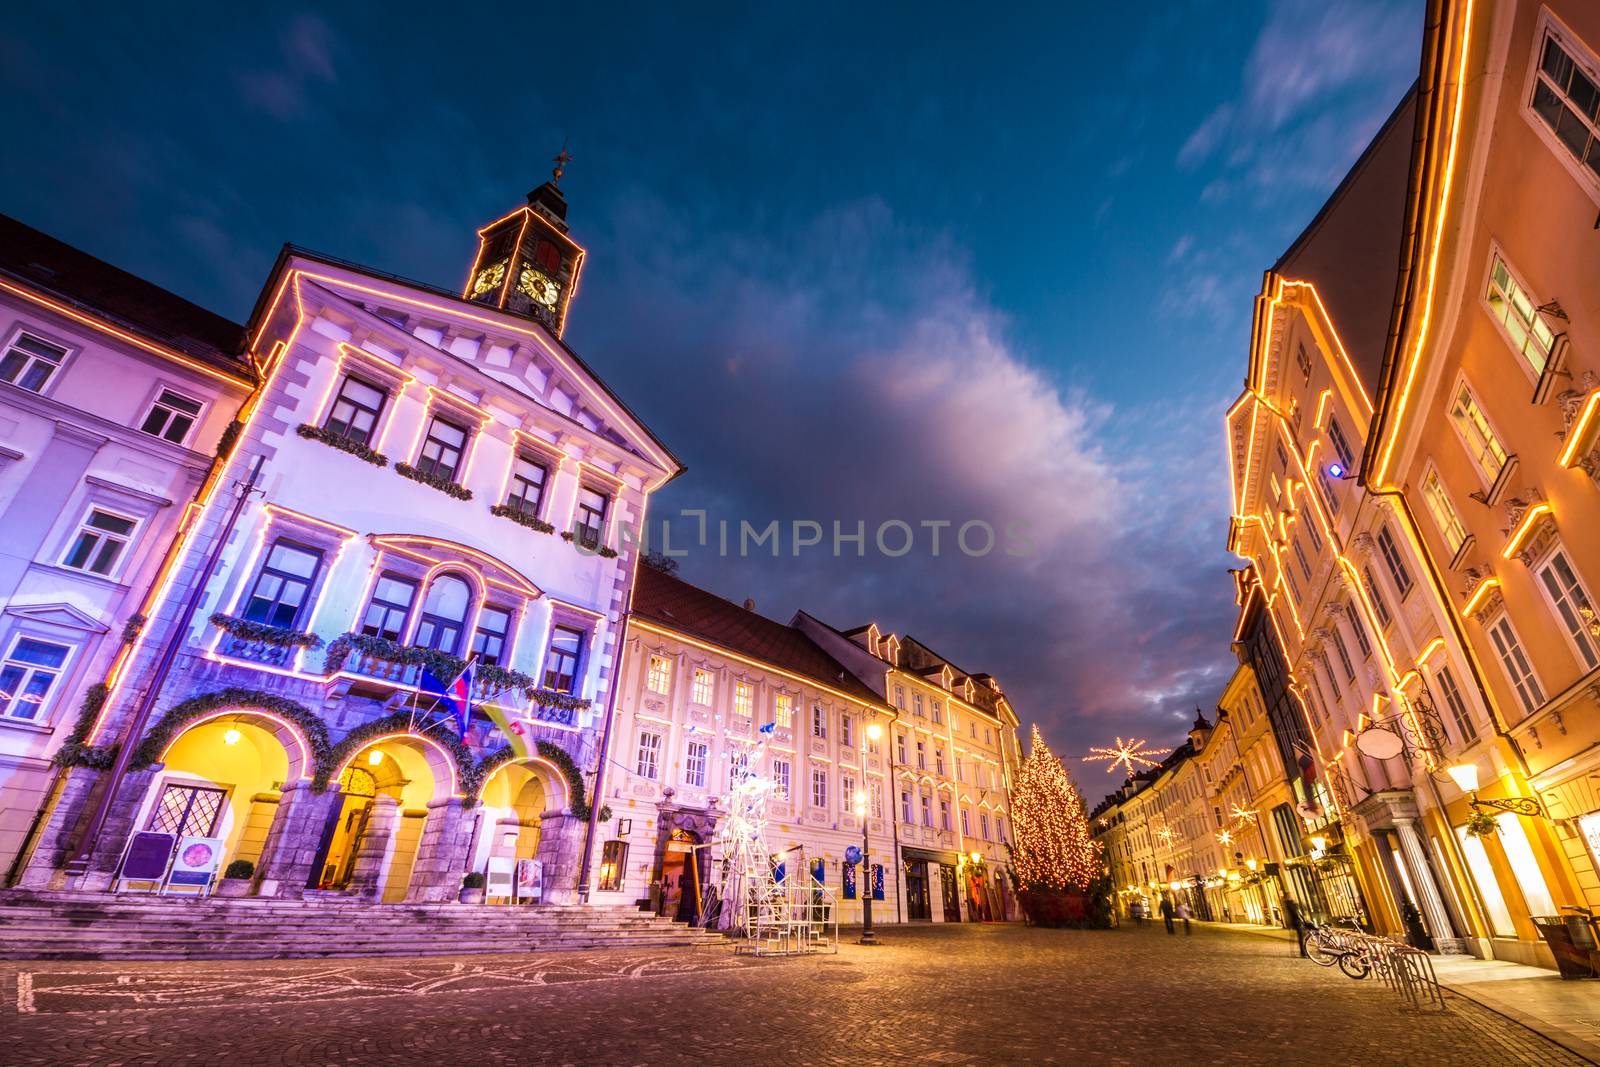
[530, 880]
[145, 860]
[194, 865]
[498, 879]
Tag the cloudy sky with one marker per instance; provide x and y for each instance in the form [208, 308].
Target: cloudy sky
[853, 265]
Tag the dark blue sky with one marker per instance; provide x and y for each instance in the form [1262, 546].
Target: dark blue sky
[913, 262]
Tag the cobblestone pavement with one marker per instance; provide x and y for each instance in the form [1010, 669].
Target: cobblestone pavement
[936, 995]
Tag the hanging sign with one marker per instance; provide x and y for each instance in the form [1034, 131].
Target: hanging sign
[195, 865]
[852, 854]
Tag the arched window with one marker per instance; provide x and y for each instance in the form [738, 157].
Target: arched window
[444, 614]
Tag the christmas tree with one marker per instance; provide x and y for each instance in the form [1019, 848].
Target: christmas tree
[1057, 864]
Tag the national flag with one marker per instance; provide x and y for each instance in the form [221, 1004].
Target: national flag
[455, 696]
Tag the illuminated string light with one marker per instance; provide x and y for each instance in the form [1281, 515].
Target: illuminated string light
[1054, 849]
[1126, 754]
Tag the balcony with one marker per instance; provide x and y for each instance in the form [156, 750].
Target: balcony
[257, 642]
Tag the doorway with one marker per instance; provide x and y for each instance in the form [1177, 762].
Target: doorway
[951, 894]
[917, 906]
[680, 877]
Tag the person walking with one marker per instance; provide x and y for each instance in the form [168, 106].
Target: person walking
[1166, 914]
[1184, 913]
[1292, 910]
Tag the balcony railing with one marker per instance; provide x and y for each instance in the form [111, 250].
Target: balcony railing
[258, 642]
[263, 652]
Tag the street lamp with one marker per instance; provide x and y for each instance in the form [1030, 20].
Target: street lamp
[873, 732]
[1465, 776]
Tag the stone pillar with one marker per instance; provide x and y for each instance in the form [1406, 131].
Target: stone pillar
[561, 851]
[377, 843]
[62, 825]
[117, 828]
[442, 851]
[1421, 871]
[290, 853]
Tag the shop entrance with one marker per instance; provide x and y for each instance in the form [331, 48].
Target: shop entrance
[680, 877]
[917, 906]
[950, 891]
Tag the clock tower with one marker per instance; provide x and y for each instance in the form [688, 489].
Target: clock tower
[526, 263]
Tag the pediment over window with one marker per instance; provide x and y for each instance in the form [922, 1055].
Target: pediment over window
[59, 615]
[436, 550]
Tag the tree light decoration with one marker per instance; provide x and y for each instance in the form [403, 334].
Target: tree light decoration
[1126, 754]
[1053, 849]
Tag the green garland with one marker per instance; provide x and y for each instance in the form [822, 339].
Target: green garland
[283, 636]
[578, 799]
[229, 438]
[603, 551]
[521, 518]
[399, 723]
[343, 444]
[433, 481]
[132, 628]
[73, 751]
[159, 736]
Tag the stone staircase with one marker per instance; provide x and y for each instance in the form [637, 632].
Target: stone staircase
[99, 926]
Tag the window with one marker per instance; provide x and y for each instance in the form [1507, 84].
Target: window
[819, 721]
[1392, 560]
[1294, 586]
[1513, 839]
[1488, 886]
[1341, 446]
[1344, 652]
[960, 773]
[444, 615]
[938, 713]
[649, 763]
[916, 704]
[100, 542]
[489, 642]
[1378, 607]
[944, 813]
[846, 732]
[390, 606]
[1565, 97]
[1354, 618]
[1513, 309]
[780, 776]
[1571, 603]
[283, 584]
[703, 687]
[1302, 361]
[659, 677]
[1443, 512]
[1300, 556]
[938, 761]
[875, 799]
[900, 748]
[561, 661]
[983, 824]
[613, 866]
[355, 411]
[905, 805]
[1333, 681]
[847, 792]
[1515, 663]
[694, 764]
[900, 697]
[1329, 497]
[28, 675]
[1311, 533]
[819, 787]
[527, 486]
[927, 810]
[1457, 707]
[187, 810]
[783, 711]
[966, 823]
[1476, 433]
[1000, 828]
[922, 754]
[589, 525]
[171, 417]
[744, 700]
[30, 361]
[442, 447]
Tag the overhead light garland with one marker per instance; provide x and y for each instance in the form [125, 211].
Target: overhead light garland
[1126, 754]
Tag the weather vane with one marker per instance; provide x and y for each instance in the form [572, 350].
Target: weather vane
[561, 161]
[1126, 754]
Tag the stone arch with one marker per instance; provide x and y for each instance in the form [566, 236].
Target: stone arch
[458, 767]
[307, 727]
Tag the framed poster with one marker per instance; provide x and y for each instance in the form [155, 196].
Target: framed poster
[146, 859]
[195, 864]
[530, 880]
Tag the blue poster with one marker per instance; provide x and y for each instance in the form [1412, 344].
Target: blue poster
[877, 881]
[849, 880]
[819, 872]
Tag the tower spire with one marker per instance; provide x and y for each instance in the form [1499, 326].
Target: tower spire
[561, 160]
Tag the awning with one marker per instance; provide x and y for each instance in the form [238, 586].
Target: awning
[929, 855]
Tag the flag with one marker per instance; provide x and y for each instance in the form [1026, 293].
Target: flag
[456, 696]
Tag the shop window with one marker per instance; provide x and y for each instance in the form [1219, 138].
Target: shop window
[613, 866]
[1494, 902]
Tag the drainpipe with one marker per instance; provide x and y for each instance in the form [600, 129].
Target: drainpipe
[894, 816]
[78, 864]
[605, 738]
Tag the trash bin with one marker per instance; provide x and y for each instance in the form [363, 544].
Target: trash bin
[1572, 943]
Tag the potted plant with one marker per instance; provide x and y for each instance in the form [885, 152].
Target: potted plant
[1481, 824]
[236, 879]
[472, 887]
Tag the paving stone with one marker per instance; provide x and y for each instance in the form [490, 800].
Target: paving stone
[956, 994]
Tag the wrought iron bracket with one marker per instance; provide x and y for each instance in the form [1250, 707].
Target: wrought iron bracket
[1520, 805]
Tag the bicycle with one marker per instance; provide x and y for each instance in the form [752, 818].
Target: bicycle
[1329, 946]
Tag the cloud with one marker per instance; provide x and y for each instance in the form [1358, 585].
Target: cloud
[305, 64]
[848, 368]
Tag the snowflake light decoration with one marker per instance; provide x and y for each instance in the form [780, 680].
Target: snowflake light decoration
[1224, 838]
[1126, 754]
[1239, 814]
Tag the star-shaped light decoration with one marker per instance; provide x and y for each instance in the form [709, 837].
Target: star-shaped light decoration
[1239, 814]
[1125, 754]
[1224, 838]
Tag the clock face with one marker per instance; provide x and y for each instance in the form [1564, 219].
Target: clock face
[488, 278]
[536, 284]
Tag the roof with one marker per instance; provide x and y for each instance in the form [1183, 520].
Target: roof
[450, 295]
[673, 603]
[95, 287]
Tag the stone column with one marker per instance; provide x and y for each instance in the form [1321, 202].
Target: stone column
[1412, 851]
[377, 842]
[442, 851]
[117, 828]
[290, 853]
[59, 834]
[560, 850]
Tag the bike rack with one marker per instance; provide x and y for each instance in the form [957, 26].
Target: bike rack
[1406, 971]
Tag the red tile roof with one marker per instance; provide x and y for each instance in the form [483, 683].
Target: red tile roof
[675, 604]
[94, 286]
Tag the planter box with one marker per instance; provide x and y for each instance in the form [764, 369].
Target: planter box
[234, 887]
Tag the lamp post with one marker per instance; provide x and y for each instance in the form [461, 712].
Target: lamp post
[1465, 776]
[873, 732]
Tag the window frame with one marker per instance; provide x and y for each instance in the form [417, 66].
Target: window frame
[819, 788]
[161, 392]
[432, 467]
[1393, 562]
[1445, 682]
[702, 696]
[1463, 386]
[385, 397]
[303, 610]
[1497, 256]
[581, 530]
[695, 760]
[503, 656]
[1527, 688]
[443, 623]
[647, 756]
[1578, 636]
[1436, 498]
[658, 673]
[515, 500]
[578, 657]
[1550, 26]
[68, 351]
[127, 540]
[406, 611]
[29, 670]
